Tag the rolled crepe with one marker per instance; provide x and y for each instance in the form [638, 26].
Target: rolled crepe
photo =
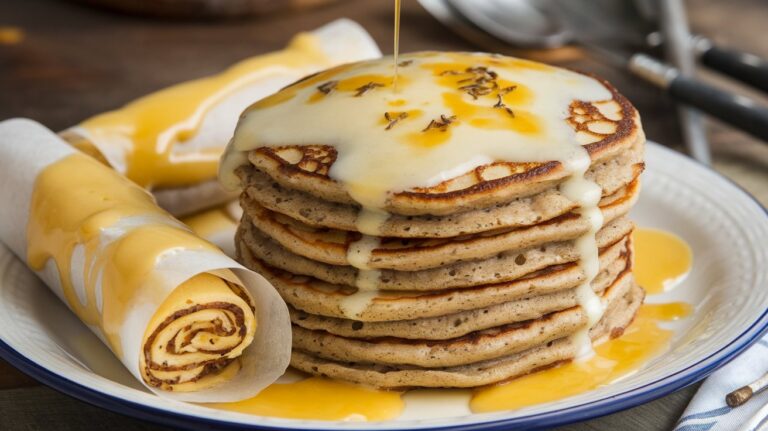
[185, 319]
[171, 141]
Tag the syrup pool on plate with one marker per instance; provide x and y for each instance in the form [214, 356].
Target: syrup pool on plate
[323, 399]
[662, 259]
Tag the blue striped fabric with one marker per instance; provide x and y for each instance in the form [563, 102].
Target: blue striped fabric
[696, 427]
[708, 414]
[761, 425]
[708, 411]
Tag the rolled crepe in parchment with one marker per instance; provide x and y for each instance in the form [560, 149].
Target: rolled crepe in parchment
[170, 141]
[185, 319]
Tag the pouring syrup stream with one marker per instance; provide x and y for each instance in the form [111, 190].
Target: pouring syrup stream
[396, 42]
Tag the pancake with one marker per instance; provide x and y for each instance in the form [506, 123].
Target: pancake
[612, 176]
[332, 246]
[505, 266]
[458, 223]
[320, 298]
[523, 307]
[473, 347]
[487, 372]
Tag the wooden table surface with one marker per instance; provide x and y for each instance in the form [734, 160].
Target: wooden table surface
[72, 62]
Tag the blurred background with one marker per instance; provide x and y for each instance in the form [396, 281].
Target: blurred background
[63, 61]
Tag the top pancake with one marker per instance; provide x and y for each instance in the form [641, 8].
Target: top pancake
[612, 176]
[468, 103]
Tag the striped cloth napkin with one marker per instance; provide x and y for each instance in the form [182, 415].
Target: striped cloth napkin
[708, 411]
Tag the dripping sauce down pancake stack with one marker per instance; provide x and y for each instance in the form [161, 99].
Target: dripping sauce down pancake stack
[458, 222]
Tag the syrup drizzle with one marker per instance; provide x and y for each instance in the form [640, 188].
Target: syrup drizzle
[396, 51]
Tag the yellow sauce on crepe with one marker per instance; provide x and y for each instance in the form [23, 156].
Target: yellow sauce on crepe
[104, 236]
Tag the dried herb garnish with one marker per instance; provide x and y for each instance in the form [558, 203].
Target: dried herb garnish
[366, 88]
[441, 124]
[507, 90]
[451, 72]
[405, 63]
[393, 118]
[480, 81]
[328, 87]
[476, 90]
[500, 104]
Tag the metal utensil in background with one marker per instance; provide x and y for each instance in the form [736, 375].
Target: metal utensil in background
[743, 66]
[456, 22]
[739, 111]
[555, 23]
[528, 24]
[544, 24]
[677, 47]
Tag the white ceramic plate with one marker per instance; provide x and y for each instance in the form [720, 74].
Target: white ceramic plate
[725, 227]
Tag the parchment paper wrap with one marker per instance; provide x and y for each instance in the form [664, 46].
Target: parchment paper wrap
[27, 149]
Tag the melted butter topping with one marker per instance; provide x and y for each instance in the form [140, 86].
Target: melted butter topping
[323, 399]
[104, 235]
[373, 160]
[641, 342]
[662, 259]
[587, 194]
[359, 255]
[152, 128]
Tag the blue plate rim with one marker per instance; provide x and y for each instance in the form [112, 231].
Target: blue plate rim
[628, 399]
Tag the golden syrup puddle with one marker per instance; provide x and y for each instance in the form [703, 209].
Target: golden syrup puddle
[155, 124]
[644, 340]
[666, 253]
[322, 399]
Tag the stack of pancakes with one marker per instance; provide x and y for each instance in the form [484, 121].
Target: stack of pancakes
[475, 278]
